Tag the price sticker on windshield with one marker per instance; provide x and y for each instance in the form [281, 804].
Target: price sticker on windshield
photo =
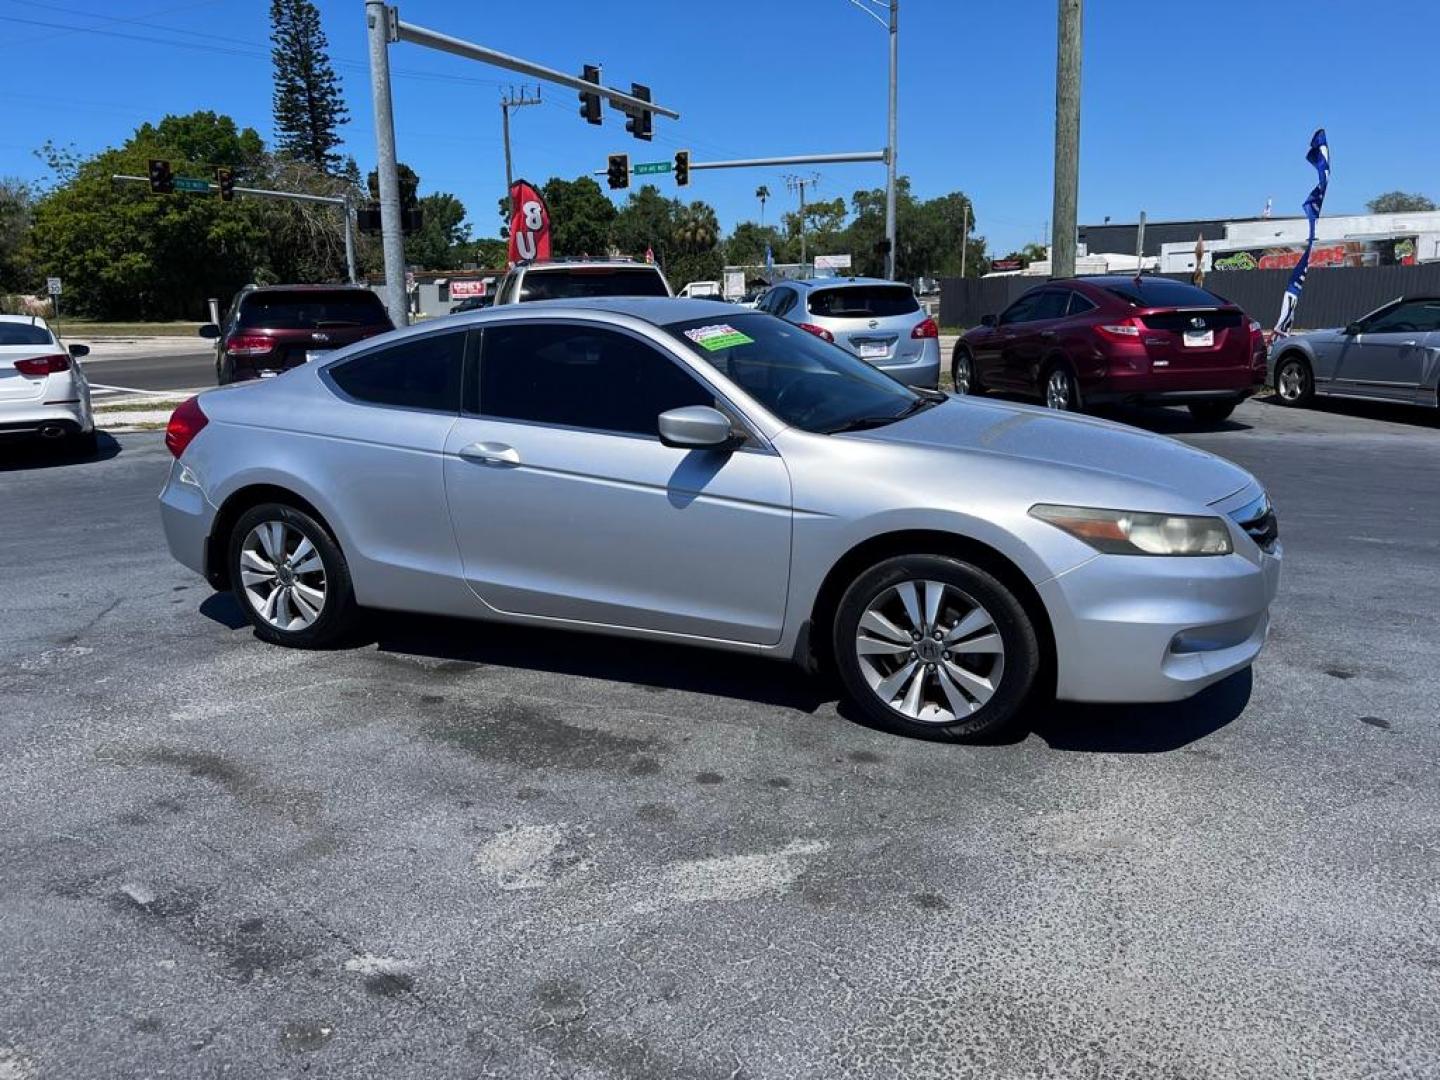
[717, 337]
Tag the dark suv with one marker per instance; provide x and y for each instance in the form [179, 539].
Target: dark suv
[1087, 341]
[271, 328]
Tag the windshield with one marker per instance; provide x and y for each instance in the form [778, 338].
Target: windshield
[24, 334]
[575, 282]
[863, 302]
[312, 308]
[804, 381]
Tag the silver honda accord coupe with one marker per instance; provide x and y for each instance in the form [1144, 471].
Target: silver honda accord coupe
[688, 471]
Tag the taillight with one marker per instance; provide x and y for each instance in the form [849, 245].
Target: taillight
[1125, 330]
[186, 422]
[248, 344]
[43, 365]
[818, 331]
[926, 329]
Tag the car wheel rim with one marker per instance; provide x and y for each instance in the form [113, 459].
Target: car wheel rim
[930, 651]
[282, 576]
[1057, 390]
[962, 376]
[1292, 382]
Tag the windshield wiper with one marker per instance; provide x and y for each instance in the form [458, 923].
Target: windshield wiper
[862, 423]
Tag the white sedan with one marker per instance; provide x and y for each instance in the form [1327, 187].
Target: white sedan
[43, 390]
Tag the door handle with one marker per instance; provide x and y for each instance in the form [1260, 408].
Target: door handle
[1047, 333]
[491, 453]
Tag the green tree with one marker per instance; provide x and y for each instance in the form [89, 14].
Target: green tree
[745, 246]
[307, 103]
[647, 220]
[16, 206]
[762, 193]
[580, 216]
[928, 234]
[1399, 202]
[125, 253]
[441, 241]
[824, 227]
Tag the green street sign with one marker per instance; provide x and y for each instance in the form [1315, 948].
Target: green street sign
[189, 183]
[646, 168]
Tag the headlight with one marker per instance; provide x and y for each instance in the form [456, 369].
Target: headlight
[1130, 532]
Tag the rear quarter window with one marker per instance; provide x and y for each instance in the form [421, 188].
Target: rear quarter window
[863, 302]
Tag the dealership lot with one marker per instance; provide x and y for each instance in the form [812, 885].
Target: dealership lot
[461, 850]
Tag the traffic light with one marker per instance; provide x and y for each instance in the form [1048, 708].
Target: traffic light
[882, 246]
[412, 220]
[367, 218]
[682, 168]
[617, 171]
[162, 181]
[640, 122]
[225, 180]
[589, 100]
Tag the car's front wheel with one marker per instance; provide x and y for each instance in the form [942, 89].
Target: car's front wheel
[962, 373]
[931, 645]
[290, 577]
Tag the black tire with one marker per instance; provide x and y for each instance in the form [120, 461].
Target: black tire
[338, 614]
[1303, 391]
[1072, 392]
[976, 387]
[1212, 412]
[1021, 656]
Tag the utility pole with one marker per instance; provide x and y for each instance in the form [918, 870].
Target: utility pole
[890, 142]
[507, 103]
[800, 183]
[1067, 138]
[1140, 245]
[965, 238]
[378, 18]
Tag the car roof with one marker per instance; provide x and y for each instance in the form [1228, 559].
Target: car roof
[342, 287]
[660, 310]
[31, 320]
[589, 264]
[838, 282]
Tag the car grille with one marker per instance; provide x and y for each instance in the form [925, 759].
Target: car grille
[1178, 321]
[1259, 522]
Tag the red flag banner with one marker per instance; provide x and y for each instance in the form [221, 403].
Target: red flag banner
[529, 223]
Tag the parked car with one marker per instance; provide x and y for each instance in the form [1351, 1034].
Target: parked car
[273, 328]
[43, 389]
[1088, 341]
[881, 322]
[1391, 354]
[473, 303]
[710, 290]
[682, 471]
[572, 279]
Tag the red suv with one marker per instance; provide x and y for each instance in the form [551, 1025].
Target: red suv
[1094, 340]
[275, 327]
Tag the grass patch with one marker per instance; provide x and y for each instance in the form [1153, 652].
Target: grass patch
[138, 405]
[77, 328]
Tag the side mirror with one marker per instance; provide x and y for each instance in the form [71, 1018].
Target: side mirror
[1352, 329]
[990, 320]
[78, 351]
[695, 427]
[209, 330]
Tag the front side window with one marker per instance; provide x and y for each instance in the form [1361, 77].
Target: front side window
[582, 376]
[1416, 317]
[418, 373]
[803, 381]
[1023, 310]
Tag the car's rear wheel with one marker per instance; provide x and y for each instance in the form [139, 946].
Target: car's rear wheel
[932, 646]
[290, 577]
[1212, 412]
[962, 373]
[1061, 391]
[1294, 382]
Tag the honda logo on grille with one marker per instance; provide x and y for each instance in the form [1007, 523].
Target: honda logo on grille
[1198, 323]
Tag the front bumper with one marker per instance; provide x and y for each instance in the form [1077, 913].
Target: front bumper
[186, 515]
[1146, 629]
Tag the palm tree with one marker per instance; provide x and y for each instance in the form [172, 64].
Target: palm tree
[698, 229]
[762, 193]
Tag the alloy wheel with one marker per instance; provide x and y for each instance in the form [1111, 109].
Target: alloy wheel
[962, 374]
[282, 575]
[1290, 383]
[930, 651]
[1059, 390]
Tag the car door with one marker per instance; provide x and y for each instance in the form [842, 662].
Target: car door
[993, 361]
[1035, 339]
[567, 506]
[1389, 357]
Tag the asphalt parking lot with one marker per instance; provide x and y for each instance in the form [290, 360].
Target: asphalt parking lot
[459, 850]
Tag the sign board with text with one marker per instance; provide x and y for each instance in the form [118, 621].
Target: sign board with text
[190, 183]
[53, 286]
[465, 288]
[832, 262]
[650, 168]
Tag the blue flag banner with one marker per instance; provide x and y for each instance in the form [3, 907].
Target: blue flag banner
[1319, 156]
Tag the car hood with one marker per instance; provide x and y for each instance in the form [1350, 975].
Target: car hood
[1076, 443]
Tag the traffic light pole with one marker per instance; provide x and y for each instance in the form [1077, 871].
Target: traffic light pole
[347, 208]
[387, 28]
[797, 159]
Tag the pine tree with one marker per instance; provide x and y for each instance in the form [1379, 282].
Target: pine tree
[307, 104]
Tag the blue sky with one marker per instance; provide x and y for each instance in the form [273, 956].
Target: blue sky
[1189, 109]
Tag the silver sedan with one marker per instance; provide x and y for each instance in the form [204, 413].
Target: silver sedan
[686, 471]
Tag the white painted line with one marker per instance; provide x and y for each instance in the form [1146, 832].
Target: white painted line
[103, 388]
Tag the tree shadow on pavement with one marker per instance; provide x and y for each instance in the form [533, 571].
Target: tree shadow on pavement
[17, 455]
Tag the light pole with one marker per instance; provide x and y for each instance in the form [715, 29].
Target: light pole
[1067, 138]
[892, 25]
